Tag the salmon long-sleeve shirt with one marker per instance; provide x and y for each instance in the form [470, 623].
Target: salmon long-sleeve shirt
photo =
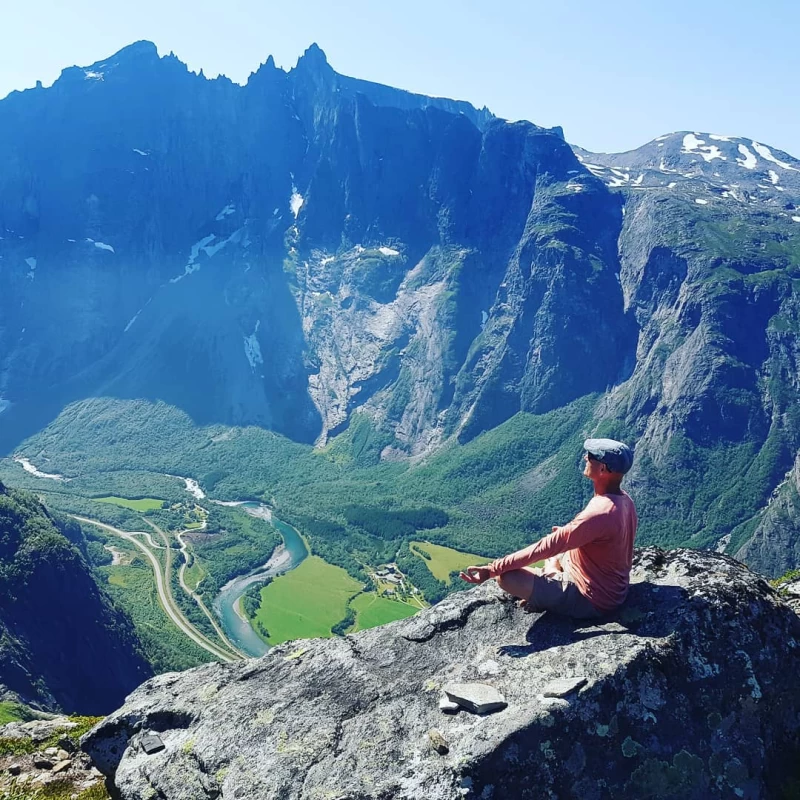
[600, 545]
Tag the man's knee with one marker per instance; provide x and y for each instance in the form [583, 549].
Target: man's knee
[505, 580]
[517, 582]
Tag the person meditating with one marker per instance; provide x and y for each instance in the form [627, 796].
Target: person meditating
[588, 561]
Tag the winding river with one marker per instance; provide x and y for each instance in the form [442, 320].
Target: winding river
[226, 604]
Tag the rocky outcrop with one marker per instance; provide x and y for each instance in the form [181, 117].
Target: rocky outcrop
[41, 758]
[688, 692]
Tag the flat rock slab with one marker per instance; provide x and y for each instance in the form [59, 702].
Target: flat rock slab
[481, 698]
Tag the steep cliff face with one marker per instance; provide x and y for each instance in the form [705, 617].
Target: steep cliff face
[62, 643]
[710, 255]
[689, 692]
[285, 252]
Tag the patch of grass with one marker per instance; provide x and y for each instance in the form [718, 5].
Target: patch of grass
[372, 611]
[13, 747]
[14, 712]
[306, 602]
[58, 790]
[444, 560]
[142, 504]
[194, 573]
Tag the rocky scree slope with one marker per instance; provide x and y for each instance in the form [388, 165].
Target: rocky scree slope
[688, 692]
[63, 644]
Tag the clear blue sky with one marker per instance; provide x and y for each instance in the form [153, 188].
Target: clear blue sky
[613, 73]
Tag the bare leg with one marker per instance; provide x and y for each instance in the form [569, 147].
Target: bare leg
[517, 582]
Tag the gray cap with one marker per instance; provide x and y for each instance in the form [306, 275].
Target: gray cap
[617, 456]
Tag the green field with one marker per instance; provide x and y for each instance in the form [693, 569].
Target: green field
[143, 504]
[443, 560]
[306, 602]
[372, 610]
[194, 574]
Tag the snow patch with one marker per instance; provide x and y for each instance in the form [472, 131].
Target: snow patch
[663, 167]
[719, 138]
[749, 161]
[595, 169]
[28, 467]
[209, 249]
[671, 185]
[140, 152]
[711, 152]
[132, 320]
[31, 262]
[388, 251]
[795, 219]
[296, 202]
[252, 349]
[484, 317]
[766, 153]
[104, 246]
[92, 76]
[691, 142]
[226, 212]
[327, 260]
[638, 181]
[661, 138]
[701, 202]
[773, 176]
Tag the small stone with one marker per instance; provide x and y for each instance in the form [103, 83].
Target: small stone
[51, 751]
[477, 697]
[61, 766]
[62, 755]
[438, 742]
[65, 743]
[489, 667]
[42, 763]
[95, 773]
[14, 769]
[447, 706]
[563, 686]
[152, 744]
[24, 778]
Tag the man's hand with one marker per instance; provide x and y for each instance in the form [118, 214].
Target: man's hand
[475, 575]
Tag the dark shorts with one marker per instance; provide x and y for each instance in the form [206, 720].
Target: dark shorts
[556, 592]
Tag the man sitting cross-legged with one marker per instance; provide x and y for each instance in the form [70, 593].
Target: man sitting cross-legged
[588, 561]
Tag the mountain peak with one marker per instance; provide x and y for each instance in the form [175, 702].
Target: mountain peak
[313, 58]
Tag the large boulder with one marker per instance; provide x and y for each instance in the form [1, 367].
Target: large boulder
[689, 691]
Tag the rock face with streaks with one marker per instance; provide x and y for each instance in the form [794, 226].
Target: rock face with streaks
[689, 691]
